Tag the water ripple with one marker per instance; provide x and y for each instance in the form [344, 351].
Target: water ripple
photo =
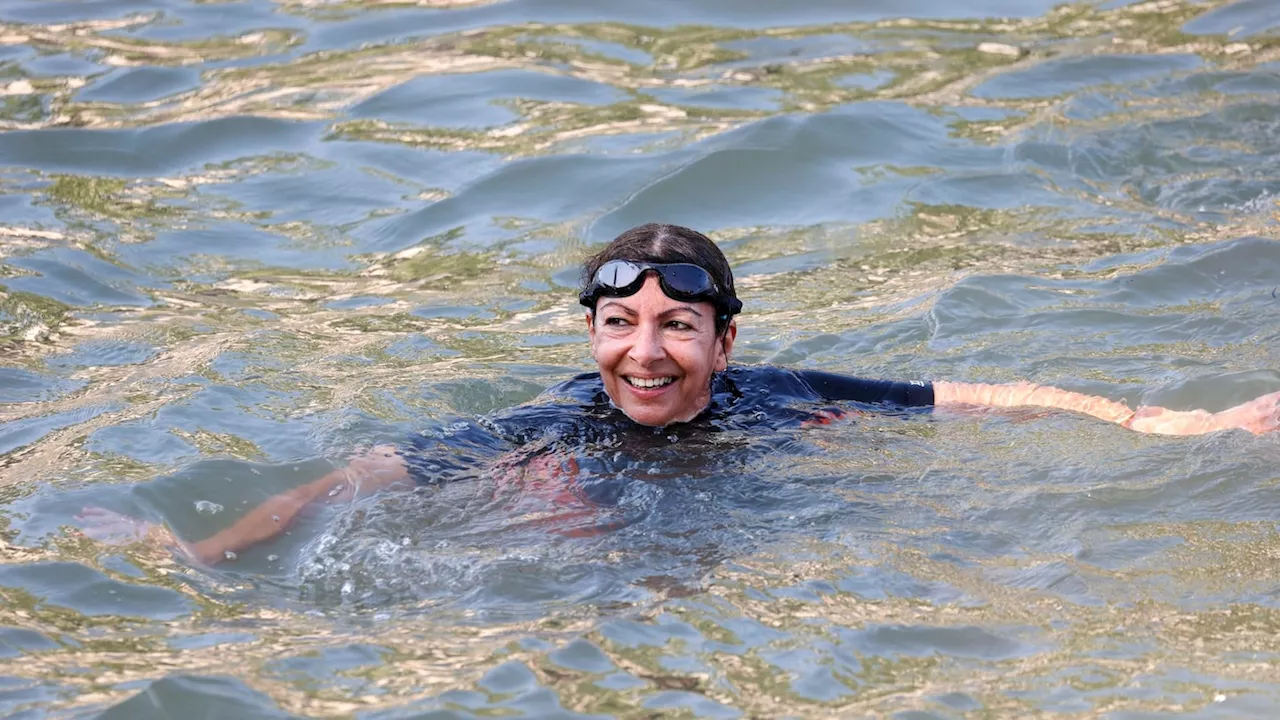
[243, 241]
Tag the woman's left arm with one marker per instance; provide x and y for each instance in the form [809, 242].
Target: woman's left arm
[1257, 416]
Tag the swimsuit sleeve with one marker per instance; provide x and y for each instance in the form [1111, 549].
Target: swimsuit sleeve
[831, 386]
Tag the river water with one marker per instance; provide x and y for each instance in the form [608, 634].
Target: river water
[241, 240]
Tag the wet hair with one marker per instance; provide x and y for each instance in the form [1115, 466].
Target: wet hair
[661, 243]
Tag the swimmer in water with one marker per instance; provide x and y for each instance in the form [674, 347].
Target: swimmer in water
[660, 316]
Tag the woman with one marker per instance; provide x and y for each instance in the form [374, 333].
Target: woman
[660, 313]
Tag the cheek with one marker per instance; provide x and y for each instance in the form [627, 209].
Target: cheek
[603, 351]
[704, 360]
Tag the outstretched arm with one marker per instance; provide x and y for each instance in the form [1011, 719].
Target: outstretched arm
[380, 468]
[1257, 416]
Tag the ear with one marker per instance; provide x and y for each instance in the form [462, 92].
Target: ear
[726, 345]
[591, 332]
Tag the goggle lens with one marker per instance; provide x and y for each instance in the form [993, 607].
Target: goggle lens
[688, 279]
[617, 274]
[680, 281]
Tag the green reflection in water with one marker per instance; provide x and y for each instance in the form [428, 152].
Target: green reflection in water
[865, 270]
[27, 317]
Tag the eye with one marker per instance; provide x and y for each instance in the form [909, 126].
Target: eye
[616, 321]
[679, 325]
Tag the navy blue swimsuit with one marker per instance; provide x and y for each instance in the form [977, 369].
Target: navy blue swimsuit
[751, 408]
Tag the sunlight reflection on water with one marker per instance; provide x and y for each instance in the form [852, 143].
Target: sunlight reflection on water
[242, 241]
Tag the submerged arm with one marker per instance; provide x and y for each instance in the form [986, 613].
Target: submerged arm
[1028, 394]
[379, 469]
[1256, 416]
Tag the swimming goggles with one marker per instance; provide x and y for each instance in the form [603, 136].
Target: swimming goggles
[679, 281]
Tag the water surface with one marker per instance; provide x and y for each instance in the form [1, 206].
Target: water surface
[243, 240]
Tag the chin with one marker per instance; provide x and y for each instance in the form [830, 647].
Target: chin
[649, 417]
[648, 420]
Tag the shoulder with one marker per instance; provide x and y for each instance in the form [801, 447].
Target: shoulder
[758, 372]
[767, 379]
[561, 410]
[822, 386]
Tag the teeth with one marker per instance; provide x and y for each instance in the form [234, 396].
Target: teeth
[650, 383]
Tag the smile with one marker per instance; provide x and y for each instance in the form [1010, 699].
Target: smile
[649, 382]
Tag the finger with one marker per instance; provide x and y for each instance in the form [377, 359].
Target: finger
[113, 526]
[105, 534]
[100, 516]
[119, 530]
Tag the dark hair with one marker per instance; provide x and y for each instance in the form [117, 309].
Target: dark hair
[661, 243]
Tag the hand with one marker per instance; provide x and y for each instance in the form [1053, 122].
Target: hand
[113, 528]
[825, 416]
[1257, 416]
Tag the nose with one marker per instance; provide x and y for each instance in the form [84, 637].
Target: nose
[648, 348]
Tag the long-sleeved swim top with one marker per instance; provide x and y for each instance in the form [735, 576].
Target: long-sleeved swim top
[752, 409]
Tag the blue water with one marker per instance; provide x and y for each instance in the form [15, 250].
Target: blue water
[240, 241]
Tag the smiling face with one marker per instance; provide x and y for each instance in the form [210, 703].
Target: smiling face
[656, 355]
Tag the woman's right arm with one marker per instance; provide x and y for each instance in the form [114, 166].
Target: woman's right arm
[380, 468]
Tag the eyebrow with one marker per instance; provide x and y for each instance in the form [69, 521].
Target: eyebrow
[663, 314]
